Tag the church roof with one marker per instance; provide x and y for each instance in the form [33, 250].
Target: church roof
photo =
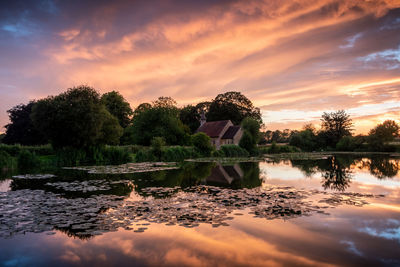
[231, 132]
[213, 128]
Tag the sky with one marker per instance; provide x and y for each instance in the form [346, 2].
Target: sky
[293, 59]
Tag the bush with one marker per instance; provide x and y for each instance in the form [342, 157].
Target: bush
[178, 153]
[275, 149]
[157, 144]
[144, 155]
[27, 160]
[202, 144]
[6, 161]
[14, 150]
[233, 151]
[115, 155]
[247, 142]
[70, 157]
[350, 143]
[218, 153]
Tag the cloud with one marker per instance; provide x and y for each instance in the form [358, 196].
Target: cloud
[305, 56]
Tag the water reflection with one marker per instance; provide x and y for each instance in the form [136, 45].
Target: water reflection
[205, 213]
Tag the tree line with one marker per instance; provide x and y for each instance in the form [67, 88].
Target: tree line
[336, 133]
[82, 118]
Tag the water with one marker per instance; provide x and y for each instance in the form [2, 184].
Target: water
[340, 210]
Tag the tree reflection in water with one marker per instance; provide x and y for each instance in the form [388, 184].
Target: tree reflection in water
[337, 170]
[382, 167]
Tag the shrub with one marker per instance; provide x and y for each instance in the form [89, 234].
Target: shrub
[202, 143]
[70, 156]
[234, 151]
[157, 144]
[178, 153]
[247, 142]
[350, 143]
[115, 155]
[14, 150]
[144, 155]
[218, 153]
[6, 161]
[27, 160]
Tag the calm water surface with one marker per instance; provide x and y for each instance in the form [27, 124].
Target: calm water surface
[340, 210]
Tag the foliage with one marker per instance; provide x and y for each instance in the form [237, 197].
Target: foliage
[276, 149]
[350, 143]
[142, 107]
[118, 107]
[21, 130]
[76, 119]
[165, 102]
[190, 116]
[5, 160]
[247, 142]
[14, 150]
[306, 140]
[144, 155]
[233, 151]
[27, 160]
[2, 137]
[115, 155]
[253, 127]
[381, 134]
[156, 121]
[232, 106]
[202, 143]
[157, 144]
[178, 153]
[335, 125]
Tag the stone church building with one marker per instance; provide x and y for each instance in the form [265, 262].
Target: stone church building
[221, 132]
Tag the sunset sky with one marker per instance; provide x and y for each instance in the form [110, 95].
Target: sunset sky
[293, 59]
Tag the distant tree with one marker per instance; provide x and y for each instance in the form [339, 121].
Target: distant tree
[334, 126]
[202, 143]
[306, 140]
[21, 130]
[118, 107]
[76, 118]
[190, 116]
[232, 106]
[383, 133]
[203, 106]
[165, 102]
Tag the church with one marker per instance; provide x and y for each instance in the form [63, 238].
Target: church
[220, 132]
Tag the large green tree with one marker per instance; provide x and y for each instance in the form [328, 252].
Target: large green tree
[118, 107]
[335, 125]
[159, 120]
[76, 118]
[21, 130]
[232, 106]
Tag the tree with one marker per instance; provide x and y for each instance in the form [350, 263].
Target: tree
[232, 106]
[21, 129]
[156, 121]
[190, 116]
[247, 142]
[335, 125]
[76, 118]
[142, 107]
[157, 144]
[306, 140]
[253, 127]
[165, 102]
[202, 143]
[383, 133]
[118, 107]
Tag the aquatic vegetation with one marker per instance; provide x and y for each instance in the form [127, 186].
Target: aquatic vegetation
[128, 168]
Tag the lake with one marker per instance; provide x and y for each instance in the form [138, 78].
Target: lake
[338, 210]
